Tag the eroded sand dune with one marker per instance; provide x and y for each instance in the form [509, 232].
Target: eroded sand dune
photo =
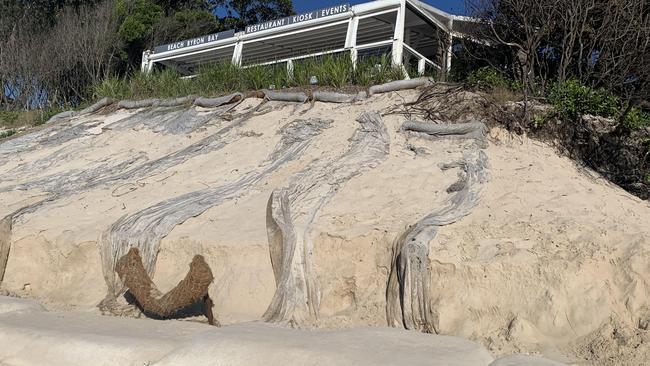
[305, 213]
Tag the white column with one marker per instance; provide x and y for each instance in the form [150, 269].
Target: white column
[351, 39]
[398, 38]
[450, 52]
[146, 64]
[236, 56]
[450, 44]
[290, 68]
[422, 65]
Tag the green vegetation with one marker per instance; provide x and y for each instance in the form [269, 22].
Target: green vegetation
[8, 118]
[56, 52]
[490, 78]
[572, 99]
[637, 119]
[329, 70]
[13, 119]
[44, 115]
[7, 133]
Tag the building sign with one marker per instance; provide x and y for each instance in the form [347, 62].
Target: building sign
[195, 41]
[299, 18]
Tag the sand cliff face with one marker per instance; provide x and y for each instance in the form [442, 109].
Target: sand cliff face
[549, 256]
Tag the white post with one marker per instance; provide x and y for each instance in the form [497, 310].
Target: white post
[450, 45]
[290, 68]
[351, 39]
[146, 64]
[398, 38]
[236, 56]
[422, 64]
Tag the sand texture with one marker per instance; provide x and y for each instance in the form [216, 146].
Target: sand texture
[330, 216]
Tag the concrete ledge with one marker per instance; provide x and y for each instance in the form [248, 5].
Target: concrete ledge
[524, 360]
[39, 338]
[18, 305]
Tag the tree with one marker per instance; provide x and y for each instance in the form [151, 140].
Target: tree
[240, 13]
[601, 43]
[58, 66]
[185, 24]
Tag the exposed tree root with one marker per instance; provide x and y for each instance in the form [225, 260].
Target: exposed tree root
[408, 293]
[191, 289]
[292, 210]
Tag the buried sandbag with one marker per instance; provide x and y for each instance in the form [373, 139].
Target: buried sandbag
[16, 305]
[191, 289]
[408, 296]
[174, 102]
[408, 293]
[333, 97]
[146, 228]
[5, 243]
[291, 212]
[219, 101]
[471, 130]
[135, 104]
[399, 85]
[97, 106]
[271, 95]
[525, 360]
[62, 115]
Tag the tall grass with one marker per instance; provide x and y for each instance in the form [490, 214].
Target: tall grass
[334, 70]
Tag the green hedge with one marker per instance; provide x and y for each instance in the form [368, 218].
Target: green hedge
[330, 70]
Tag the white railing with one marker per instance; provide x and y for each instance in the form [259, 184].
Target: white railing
[422, 61]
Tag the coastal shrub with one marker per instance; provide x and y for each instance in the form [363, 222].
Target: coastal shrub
[335, 70]
[113, 87]
[219, 78]
[44, 115]
[636, 119]
[572, 99]
[329, 70]
[8, 118]
[7, 133]
[372, 70]
[490, 78]
[265, 77]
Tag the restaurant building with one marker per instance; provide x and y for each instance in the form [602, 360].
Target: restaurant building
[413, 33]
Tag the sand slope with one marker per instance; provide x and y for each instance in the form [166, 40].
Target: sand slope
[549, 256]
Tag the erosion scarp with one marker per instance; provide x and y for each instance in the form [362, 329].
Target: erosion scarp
[330, 215]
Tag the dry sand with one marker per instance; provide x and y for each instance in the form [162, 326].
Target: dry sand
[553, 260]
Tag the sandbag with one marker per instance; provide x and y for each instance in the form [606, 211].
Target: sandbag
[176, 101]
[333, 97]
[218, 101]
[62, 115]
[400, 85]
[285, 96]
[135, 104]
[193, 288]
[97, 106]
[471, 130]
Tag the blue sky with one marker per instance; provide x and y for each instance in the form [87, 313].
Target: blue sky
[450, 6]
